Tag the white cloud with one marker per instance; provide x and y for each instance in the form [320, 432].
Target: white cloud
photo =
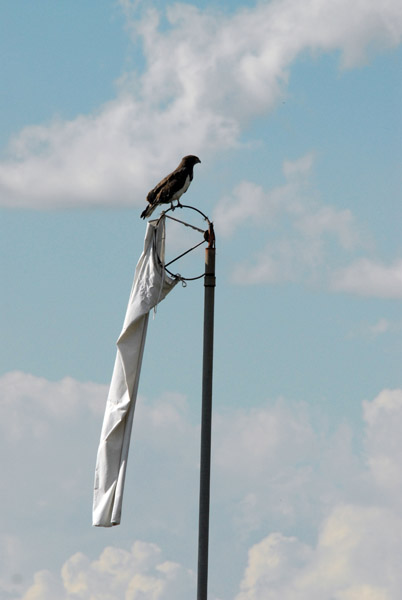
[138, 573]
[207, 74]
[303, 234]
[280, 261]
[381, 326]
[304, 229]
[298, 168]
[46, 586]
[329, 221]
[49, 434]
[366, 277]
[383, 418]
[111, 158]
[251, 204]
[273, 466]
[39, 419]
[32, 406]
[357, 557]
[359, 546]
[11, 549]
[280, 475]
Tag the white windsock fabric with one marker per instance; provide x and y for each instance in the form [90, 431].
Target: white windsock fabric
[150, 286]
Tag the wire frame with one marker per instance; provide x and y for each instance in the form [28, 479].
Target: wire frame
[204, 232]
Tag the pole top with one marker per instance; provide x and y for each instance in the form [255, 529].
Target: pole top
[209, 235]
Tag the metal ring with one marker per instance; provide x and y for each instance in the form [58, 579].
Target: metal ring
[190, 207]
[172, 208]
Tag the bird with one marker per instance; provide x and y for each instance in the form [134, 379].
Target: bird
[172, 187]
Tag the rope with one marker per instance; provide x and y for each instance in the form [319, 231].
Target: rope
[186, 224]
[183, 279]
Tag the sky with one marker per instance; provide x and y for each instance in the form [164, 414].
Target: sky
[294, 109]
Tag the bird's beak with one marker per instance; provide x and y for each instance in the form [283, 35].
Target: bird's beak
[198, 160]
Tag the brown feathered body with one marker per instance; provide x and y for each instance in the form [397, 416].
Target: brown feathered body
[172, 187]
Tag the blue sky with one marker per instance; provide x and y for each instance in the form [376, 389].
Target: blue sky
[295, 111]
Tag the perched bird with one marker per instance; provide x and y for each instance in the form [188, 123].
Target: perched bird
[171, 187]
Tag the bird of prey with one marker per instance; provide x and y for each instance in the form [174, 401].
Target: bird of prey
[171, 187]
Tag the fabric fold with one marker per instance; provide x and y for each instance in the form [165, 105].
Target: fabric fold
[150, 286]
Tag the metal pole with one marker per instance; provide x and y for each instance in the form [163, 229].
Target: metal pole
[206, 417]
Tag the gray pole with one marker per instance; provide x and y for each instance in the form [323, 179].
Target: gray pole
[206, 417]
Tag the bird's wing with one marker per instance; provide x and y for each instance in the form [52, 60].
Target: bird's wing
[168, 186]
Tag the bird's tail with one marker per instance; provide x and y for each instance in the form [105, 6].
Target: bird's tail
[147, 212]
